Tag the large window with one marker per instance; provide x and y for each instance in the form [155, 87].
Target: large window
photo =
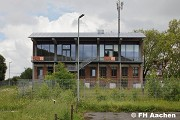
[108, 51]
[66, 52]
[46, 50]
[130, 52]
[87, 51]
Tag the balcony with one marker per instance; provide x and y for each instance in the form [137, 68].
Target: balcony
[131, 59]
[42, 58]
[101, 59]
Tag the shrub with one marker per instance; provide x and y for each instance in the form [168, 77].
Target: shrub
[171, 89]
[153, 87]
[62, 76]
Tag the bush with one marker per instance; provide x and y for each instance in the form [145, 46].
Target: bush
[153, 86]
[62, 76]
[171, 89]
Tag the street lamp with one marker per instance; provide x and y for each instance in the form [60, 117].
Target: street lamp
[9, 72]
[78, 60]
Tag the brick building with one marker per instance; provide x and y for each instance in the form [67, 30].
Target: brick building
[103, 56]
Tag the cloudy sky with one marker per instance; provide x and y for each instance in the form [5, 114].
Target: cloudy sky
[19, 18]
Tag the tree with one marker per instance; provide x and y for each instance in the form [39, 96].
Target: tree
[173, 33]
[162, 50]
[150, 49]
[62, 76]
[3, 68]
[27, 74]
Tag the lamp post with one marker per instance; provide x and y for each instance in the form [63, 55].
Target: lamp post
[78, 60]
[9, 72]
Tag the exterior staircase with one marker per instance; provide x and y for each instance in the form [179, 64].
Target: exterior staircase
[86, 62]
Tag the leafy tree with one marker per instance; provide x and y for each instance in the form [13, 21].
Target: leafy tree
[173, 33]
[162, 50]
[3, 68]
[150, 50]
[62, 76]
[27, 74]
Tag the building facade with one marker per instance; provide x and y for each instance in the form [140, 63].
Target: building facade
[104, 57]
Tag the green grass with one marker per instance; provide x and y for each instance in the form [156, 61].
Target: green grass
[16, 107]
[124, 100]
[38, 105]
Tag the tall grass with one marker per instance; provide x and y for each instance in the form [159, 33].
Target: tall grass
[116, 100]
[39, 105]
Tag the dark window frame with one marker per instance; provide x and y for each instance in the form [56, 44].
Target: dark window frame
[114, 71]
[135, 71]
[124, 71]
[82, 72]
[91, 71]
[103, 72]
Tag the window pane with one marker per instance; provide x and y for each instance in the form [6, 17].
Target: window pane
[124, 71]
[108, 46]
[94, 51]
[136, 51]
[129, 51]
[93, 72]
[114, 71]
[82, 72]
[66, 46]
[81, 50]
[101, 50]
[59, 49]
[87, 54]
[123, 51]
[135, 71]
[116, 48]
[73, 52]
[103, 71]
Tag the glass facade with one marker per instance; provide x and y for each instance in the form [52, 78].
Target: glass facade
[66, 52]
[130, 52]
[87, 51]
[46, 50]
[108, 52]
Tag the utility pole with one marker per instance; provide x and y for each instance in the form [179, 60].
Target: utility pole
[119, 7]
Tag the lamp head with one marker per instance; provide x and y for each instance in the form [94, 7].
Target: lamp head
[81, 16]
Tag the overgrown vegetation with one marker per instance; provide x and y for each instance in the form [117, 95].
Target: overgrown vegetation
[62, 76]
[167, 89]
[36, 105]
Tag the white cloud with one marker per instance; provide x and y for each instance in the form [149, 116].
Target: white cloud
[17, 47]
[19, 18]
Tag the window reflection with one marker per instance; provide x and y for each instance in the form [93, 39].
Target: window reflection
[87, 51]
[108, 52]
[66, 52]
[130, 52]
[46, 50]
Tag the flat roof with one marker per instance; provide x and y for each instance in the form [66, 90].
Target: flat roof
[85, 35]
